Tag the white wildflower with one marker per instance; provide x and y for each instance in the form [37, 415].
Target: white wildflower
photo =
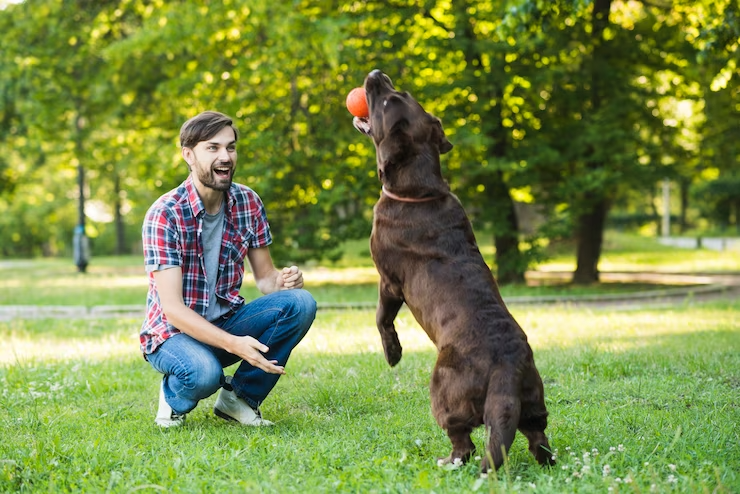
[672, 467]
[620, 448]
[672, 479]
[606, 470]
[418, 442]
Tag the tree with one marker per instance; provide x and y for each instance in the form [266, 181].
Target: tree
[573, 107]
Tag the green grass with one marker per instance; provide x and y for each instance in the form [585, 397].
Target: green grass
[640, 401]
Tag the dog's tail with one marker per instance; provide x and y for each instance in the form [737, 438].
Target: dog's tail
[501, 416]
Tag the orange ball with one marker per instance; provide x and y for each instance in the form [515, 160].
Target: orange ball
[356, 103]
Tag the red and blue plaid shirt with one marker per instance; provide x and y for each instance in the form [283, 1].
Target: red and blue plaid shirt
[171, 236]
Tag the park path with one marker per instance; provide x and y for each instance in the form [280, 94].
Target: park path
[685, 289]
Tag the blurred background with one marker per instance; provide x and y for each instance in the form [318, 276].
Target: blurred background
[567, 117]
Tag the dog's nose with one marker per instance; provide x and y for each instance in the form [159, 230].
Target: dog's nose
[378, 79]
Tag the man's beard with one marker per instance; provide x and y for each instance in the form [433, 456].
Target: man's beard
[209, 178]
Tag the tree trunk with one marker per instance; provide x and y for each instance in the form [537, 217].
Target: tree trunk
[590, 239]
[508, 257]
[120, 226]
[590, 222]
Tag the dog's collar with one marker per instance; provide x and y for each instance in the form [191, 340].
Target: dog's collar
[395, 197]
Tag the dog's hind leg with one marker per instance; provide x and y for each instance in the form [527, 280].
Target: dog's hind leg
[457, 426]
[500, 416]
[462, 445]
[533, 420]
[451, 390]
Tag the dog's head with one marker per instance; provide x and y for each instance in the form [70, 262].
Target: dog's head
[398, 125]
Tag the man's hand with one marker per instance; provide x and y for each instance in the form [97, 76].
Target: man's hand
[251, 350]
[268, 278]
[290, 278]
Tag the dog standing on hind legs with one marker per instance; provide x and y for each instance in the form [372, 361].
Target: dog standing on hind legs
[425, 251]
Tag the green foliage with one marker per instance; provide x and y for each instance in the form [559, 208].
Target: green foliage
[540, 109]
[720, 201]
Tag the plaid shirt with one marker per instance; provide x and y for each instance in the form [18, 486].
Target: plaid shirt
[171, 235]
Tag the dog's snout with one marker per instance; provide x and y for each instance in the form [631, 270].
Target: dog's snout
[376, 79]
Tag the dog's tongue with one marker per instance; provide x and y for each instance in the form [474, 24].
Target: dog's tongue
[362, 124]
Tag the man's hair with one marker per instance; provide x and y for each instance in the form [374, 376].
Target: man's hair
[204, 126]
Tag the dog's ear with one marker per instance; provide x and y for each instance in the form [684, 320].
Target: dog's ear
[439, 137]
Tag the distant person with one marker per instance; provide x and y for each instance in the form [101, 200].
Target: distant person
[196, 239]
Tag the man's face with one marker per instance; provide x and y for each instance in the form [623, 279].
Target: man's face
[213, 161]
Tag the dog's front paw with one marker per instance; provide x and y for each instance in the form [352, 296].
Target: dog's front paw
[392, 348]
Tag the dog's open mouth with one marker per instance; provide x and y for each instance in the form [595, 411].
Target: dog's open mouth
[362, 124]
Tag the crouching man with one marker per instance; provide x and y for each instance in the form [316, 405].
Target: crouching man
[196, 239]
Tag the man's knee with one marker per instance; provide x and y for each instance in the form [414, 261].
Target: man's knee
[202, 375]
[208, 380]
[299, 306]
[306, 303]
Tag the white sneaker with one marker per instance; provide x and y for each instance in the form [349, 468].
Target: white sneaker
[230, 407]
[166, 417]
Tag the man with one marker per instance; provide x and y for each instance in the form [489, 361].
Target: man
[196, 239]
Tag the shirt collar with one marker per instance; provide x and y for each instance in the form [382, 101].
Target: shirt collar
[196, 204]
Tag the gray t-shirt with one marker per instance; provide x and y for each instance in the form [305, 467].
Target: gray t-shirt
[213, 229]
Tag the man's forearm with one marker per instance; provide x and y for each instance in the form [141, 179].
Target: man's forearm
[193, 324]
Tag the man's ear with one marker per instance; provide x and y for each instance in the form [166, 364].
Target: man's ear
[188, 156]
[439, 137]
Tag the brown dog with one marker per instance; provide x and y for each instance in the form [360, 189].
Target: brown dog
[424, 248]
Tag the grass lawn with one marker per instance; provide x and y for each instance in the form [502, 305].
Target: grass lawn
[640, 401]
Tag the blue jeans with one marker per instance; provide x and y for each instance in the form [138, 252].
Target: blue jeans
[194, 371]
